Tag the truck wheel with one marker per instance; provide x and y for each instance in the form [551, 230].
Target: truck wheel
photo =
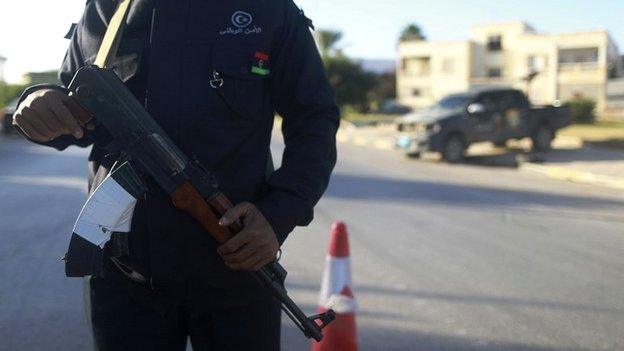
[454, 149]
[542, 138]
[413, 154]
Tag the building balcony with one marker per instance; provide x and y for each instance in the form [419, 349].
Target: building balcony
[578, 66]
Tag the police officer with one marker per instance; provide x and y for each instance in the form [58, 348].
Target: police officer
[212, 74]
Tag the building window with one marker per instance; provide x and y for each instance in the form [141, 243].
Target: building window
[416, 66]
[495, 43]
[494, 72]
[580, 55]
[532, 63]
[448, 66]
[536, 63]
[416, 92]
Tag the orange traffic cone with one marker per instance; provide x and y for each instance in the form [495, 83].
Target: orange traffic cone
[337, 294]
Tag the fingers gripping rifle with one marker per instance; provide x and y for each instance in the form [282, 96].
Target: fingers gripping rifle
[98, 95]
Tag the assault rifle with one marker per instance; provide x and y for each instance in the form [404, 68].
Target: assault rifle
[98, 95]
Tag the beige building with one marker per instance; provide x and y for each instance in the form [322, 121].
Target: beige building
[549, 67]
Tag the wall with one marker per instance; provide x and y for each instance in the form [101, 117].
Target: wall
[586, 79]
[615, 100]
[434, 69]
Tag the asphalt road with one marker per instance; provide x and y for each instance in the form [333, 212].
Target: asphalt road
[444, 257]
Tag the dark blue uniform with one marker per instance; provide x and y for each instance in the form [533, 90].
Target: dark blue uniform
[213, 74]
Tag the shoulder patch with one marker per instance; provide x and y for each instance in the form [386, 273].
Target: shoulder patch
[71, 31]
[307, 19]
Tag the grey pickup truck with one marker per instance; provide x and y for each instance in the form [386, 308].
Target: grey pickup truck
[494, 115]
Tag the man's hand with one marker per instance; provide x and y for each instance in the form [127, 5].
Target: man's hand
[42, 116]
[255, 246]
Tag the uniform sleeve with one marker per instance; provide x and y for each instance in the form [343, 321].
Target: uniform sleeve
[73, 58]
[71, 63]
[302, 96]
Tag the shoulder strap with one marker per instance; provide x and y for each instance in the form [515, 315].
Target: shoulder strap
[110, 43]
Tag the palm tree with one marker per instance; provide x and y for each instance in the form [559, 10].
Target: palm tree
[412, 32]
[327, 40]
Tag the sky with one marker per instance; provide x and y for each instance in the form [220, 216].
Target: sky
[31, 31]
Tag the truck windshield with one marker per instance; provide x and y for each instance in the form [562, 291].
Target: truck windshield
[454, 101]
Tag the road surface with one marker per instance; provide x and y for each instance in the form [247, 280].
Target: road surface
[444, 257]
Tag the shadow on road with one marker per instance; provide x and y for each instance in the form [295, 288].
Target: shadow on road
[471, 299]
[613, 143]
[373, 338]
[510, 159]
[584, 154]
[514, 157]
[380, 189]
[506, 158]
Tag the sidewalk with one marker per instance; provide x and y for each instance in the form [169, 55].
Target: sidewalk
[569, 160]
[589, 165]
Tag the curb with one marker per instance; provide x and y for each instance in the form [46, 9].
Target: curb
[574, 176]
[348, 134]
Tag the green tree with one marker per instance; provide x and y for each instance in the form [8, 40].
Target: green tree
[9, 92]
[327, 40]
[351, 84]
[384, 89]
[412, 33]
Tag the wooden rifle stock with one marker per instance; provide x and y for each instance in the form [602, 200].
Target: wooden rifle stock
[206, 212]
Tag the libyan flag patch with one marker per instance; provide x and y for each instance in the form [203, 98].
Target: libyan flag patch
[261, 60]
[260, 71]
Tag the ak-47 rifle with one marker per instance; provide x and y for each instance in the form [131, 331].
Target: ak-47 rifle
[98, 95]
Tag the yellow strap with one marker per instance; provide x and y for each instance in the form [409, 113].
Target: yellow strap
[110, 44]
